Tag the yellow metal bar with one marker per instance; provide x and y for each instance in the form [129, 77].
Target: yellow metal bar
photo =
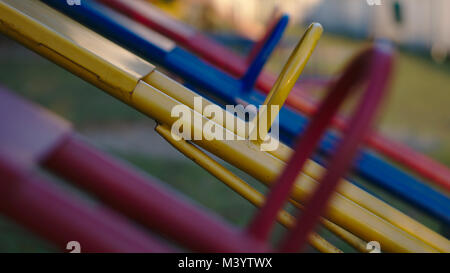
[265, 167]
[238, 185]
[73, 46]
[285, 82]
[266, 161]
[60, 45]
[255, 197]
[348, 237]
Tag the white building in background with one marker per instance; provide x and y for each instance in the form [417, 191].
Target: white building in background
[251, 16]
[426, 23]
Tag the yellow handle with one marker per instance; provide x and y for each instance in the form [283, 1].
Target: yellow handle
[285, 82]
[239, 186]
[257, 198]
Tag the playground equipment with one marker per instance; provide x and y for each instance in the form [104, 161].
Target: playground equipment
[61, 151]
[154, 47]
[42, 139]
[227, 60]
[137, 83]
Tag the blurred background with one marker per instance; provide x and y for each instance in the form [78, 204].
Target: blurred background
[417, 111]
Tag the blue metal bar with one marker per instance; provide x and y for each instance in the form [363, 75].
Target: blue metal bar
[261, 57]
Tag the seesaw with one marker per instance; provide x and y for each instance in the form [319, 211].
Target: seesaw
[137, 83]
[217, 54]
[153, 47]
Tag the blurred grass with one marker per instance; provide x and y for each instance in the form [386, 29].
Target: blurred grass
[197, 184]
[417, 113]
[53, 87]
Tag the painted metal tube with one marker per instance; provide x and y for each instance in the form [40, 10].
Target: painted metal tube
[265, 167]
[312, 170]
[38, 137]
[362, 118]
[147, 202]
[238, 185]
[227, 60]
[358, 69]
[62, 218]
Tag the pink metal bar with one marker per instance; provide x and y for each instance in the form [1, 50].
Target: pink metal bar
[61, 218]
[146, 201]
[381, 60]
[354, 74]
[37, 137]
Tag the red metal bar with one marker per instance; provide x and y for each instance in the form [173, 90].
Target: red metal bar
[236, 65]
[306, 145]
[147, 202]
[341, 161]
[41, 138]
[61, 218]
